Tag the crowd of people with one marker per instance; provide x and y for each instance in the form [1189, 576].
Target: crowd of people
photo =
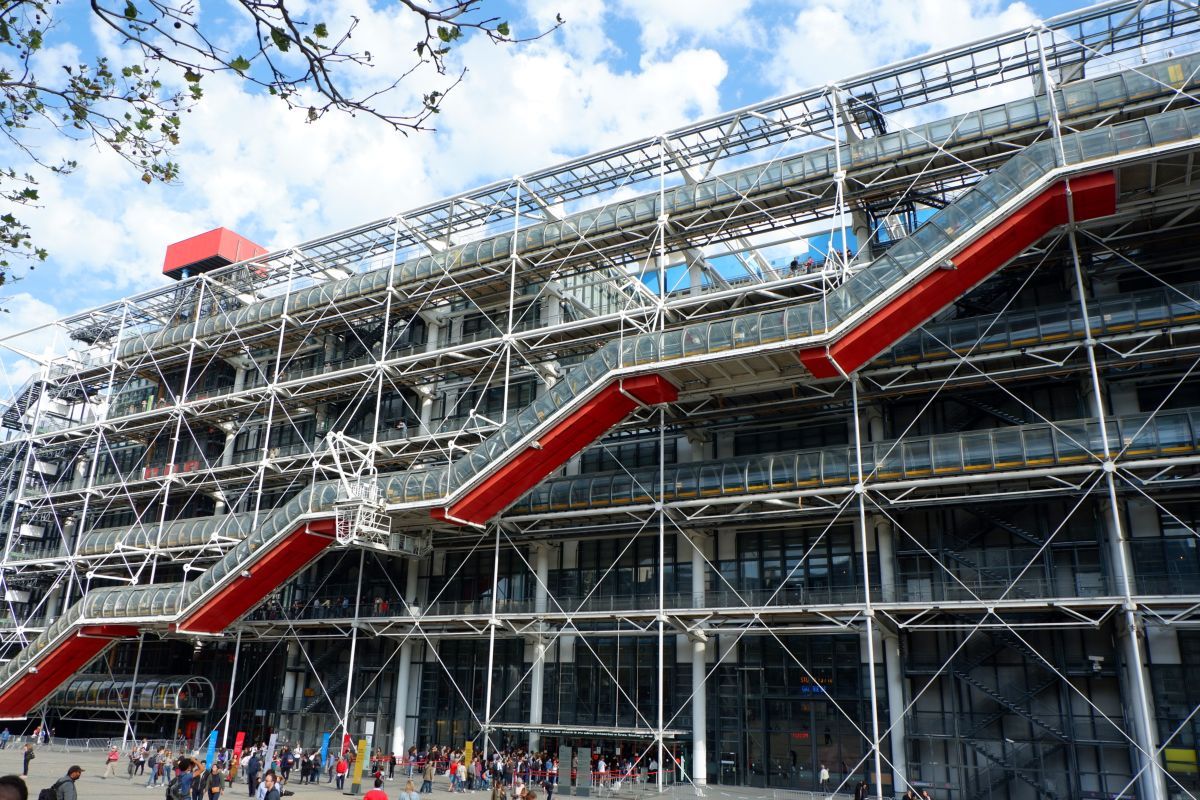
[266, 774]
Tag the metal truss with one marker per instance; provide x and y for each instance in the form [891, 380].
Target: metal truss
[134, 438]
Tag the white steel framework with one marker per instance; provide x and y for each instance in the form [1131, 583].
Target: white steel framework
[967, 562]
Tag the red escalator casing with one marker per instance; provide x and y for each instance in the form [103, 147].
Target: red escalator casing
[58, 665]
[271, 570]
[579, 429]
[1093, 196]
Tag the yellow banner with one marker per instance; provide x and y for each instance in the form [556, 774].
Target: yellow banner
[360, 761]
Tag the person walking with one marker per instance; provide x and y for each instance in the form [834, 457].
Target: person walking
[5, 735]
[64, 787]
[862, 791]
[285, 766]
[27, 756]
[823, 778]
[110, 763]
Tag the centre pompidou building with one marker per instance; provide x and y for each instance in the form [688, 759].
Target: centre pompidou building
[853, 429]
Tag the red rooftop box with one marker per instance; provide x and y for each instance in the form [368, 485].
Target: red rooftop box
[207, 251]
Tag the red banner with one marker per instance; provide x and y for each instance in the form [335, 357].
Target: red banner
[236, 761]
[345, 743]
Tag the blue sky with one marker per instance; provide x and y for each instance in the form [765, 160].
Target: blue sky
[619, 70]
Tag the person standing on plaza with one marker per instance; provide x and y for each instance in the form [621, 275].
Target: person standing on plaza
[110, 763]
[253, 767]
[26, 757]
[216, 782]
[5, 735]
[343, 766]
[376, 793]
[153, 764]
[823, 778]
[427, 776]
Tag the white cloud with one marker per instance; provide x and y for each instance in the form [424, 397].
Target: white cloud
[251, 165]
[827, 40]
[664, 24]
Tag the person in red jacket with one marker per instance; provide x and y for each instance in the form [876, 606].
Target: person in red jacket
[377, 793]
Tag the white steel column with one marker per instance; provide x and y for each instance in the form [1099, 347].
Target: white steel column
[493, 623]
[541, 561]
[1135, 694]
[868, 608]
[699, 770]
[662, 466]
[362, 555]
[128, 732]
[890, 641]
[237, 652]
[289, 675]
[404, 668]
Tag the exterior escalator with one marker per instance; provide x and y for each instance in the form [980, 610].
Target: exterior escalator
[958, 247]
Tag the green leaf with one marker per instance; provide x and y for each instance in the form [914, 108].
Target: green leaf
[131, 11]
[502, 29]
[444, 34]
[320, 30]
[240, 64]
[191, 76]
[280, 39]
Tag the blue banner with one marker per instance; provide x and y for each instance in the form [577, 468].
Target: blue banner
[212, 748]
[325, 751]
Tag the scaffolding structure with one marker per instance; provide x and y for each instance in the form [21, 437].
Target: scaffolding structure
[576, 459]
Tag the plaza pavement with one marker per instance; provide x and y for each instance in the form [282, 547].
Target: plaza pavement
[51, 763]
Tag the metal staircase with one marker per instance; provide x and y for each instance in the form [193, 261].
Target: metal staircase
[325, 697]
[982, 512]
[1021, 761]
[24, 399]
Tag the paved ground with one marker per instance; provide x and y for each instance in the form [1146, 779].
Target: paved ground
[51, 764]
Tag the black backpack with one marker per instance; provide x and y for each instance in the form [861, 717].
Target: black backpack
[175, 788]
[52, 792]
